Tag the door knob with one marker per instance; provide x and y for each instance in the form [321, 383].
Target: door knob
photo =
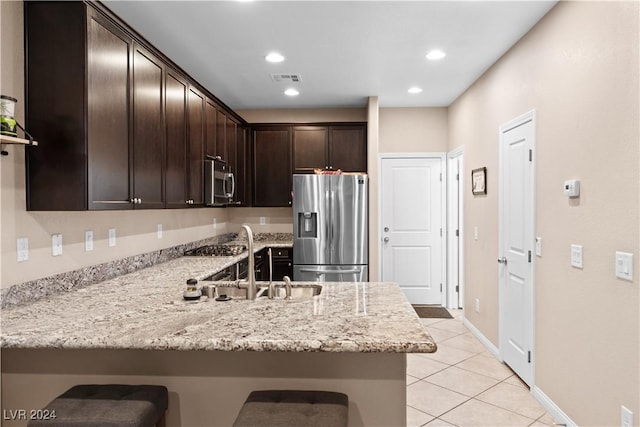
[502, 260]
[386, 229]
[386, 239]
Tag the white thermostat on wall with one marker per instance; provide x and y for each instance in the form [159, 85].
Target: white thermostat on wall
[572, 188]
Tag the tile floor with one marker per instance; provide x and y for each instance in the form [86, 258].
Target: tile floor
[462, 384]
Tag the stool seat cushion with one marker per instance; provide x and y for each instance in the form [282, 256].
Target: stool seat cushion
[299, 408]
[107, 405]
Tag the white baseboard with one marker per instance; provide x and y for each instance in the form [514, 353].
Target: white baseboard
[484, 340]
[553, 409]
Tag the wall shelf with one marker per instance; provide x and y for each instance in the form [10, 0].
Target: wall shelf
[5, 139]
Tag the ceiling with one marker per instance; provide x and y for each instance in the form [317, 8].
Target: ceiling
[344, 51]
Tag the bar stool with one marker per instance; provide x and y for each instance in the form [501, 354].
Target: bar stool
[107, 405]
[294, 408]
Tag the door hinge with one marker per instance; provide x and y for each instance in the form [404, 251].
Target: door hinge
[457, 233]
[457, 177]
[529, 256]
[440, 287]
[441, 232]
[529, 357]
[457, 288]
[531, 155]
[440, 176]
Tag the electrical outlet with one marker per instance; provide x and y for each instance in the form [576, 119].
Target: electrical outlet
[112, 237]
[576, 256]
[56, 245]
[475, 233]
[215, 223]
[626, 417]
[159, 231]
[624, 265]
[88, 241]
[23, 249]
[263, 220]
[477, 305]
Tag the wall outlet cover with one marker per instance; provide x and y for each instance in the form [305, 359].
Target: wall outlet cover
[159, 231]
[477, 305]
[576, 256]
[112, 237]
[88, 241]
[56, 245]
[626, 417]
[263, 220]
[215, 223]
[23, 249]
[538, 246]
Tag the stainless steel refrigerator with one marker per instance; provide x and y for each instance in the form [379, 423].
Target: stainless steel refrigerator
[330, 228]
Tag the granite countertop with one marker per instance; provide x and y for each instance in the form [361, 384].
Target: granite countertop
[145, 310]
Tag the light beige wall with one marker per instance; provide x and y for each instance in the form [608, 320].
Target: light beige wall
[373, 150]
[579, 68]
[277, 220]
[413, 130]
[136, 231]
[304, 115]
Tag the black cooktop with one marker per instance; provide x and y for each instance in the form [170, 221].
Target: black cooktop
[216, 250]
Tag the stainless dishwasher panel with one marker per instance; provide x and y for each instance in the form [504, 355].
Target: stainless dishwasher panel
[330, 273]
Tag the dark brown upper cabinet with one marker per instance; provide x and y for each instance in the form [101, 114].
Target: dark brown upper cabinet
[271, 166]
[176, 182]
[196, 147]
[242, 173]
[120, 125]
[79, 103]
[329, 148]
[148, 130]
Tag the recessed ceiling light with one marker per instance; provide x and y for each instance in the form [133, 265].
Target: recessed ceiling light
[274, 57]
[414, 89]
[435, 55]
[291, 92]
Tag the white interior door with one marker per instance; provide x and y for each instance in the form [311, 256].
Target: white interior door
[455, 171]
[517, 143]
[412, 221]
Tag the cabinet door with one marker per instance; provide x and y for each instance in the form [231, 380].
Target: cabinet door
[148, 130]
[210, 118]
[176, 128]
[348, 148]
[108, 115]
[272, 166]
[221, 134]
[241, 172]
[196, 147]
[310, 148]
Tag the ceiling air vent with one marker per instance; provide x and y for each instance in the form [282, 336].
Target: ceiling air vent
[286, 78]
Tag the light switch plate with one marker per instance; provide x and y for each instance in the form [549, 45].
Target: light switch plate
[576, 256]
[56, 244]
[263, 220]
[112, 237]
[538, 246]
[624, 265]
[23, 249]
[475, 232]
[88, 241]
[215, 223]
[159, 231]
[626, 416]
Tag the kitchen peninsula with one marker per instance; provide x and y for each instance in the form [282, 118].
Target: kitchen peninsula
[136, 328]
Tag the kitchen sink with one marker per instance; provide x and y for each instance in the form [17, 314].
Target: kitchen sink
[231, 291]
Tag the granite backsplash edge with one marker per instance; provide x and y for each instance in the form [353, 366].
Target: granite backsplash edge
[37, 289]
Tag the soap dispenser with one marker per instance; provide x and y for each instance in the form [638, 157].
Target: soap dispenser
[192, 292]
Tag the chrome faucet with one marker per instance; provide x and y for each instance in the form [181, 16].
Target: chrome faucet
[250, 284]
[287, 286]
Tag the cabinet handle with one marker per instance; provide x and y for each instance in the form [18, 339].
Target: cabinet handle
[139, 201]
[289, 201]
[133, 201]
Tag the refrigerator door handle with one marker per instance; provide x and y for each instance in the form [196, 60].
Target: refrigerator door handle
[315, 270]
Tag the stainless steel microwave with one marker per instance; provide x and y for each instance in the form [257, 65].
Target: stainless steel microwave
[219, 182]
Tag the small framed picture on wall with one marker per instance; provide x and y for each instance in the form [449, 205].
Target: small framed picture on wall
[479, 181]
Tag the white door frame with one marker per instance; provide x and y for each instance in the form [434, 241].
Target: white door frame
[529, 116]
[428, 155]
[452, 295]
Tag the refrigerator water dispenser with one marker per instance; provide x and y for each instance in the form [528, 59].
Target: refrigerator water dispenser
[308, 224]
